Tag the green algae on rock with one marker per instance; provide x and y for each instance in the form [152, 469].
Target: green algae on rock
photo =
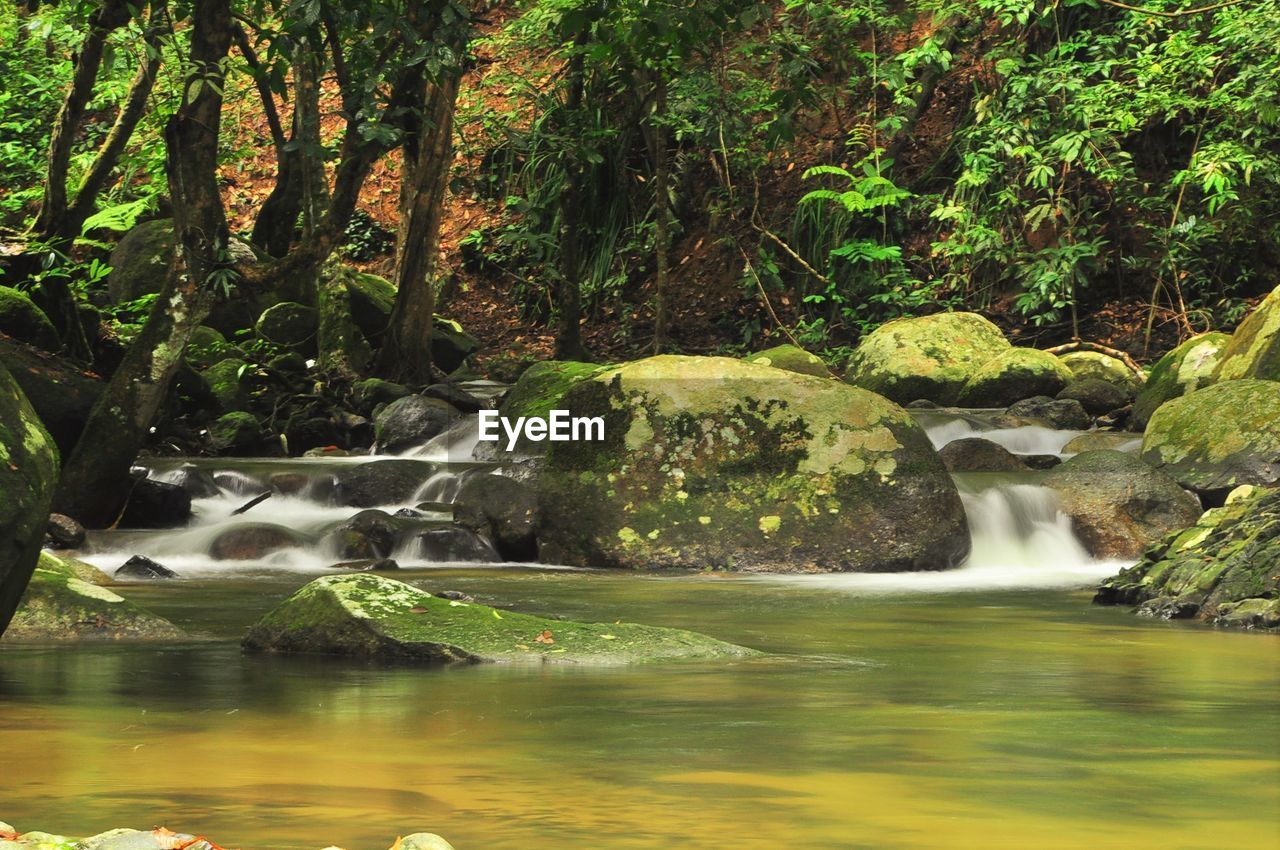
[28, 476]
[929, 357]
[64, 602]
[162, 839]
[21, 319]
[791, 358]
[709, 462]
[1119, 505]
[1225, 569]
[1254, 349]
[1218, 437]
[541, 387]
[1103, 367]
[374, 617]
[1013, 375]
[1185, 369]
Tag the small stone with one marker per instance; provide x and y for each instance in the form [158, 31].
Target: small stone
[140, 566]
[367, 565]
[64, 532]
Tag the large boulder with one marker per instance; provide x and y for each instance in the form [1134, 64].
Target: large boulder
[542, 386]
[1219, 437]
[930, 357]
[1185, 369]
[1222, 569]
[974, 454]
[226, 381]
[1013, 375]
[141, 260]
[291, 325]
[62, 603]
[156, 504]
[1103, 367]
[450, 344]
[410, 422]
[28, 475]
[1254, 349]
[502, 508]
[791, 358]
[372, 298]
[1119, 505]
[371, 616]
[1097, 396]
[1066, 414]
[381, 482]
[61, 396]
[21, 319]
[710, 462]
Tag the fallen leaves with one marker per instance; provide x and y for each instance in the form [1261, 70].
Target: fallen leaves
[546, 637]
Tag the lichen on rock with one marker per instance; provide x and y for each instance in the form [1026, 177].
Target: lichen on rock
[1185, 369]
[1254, 349]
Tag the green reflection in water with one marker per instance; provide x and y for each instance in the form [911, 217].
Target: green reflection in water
[959, 720]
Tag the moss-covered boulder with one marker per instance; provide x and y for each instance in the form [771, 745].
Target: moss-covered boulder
[374, 617]
[207, 347]
[61, 605]
[710, 462]
[372, 298]
[1103, 367]
[235, 432]
[1185, 369]
[1223, 569]
[450, 344]
[291, 325]
[21, 319]
[929, 357]
[226, 381]
[1218, 437]
[1015, 374]
[1119, 505]
[1254, 349]
[1097, 396]
[28, 475]
[791, 358]
[542, 386]
[61, 395]
[140, 260]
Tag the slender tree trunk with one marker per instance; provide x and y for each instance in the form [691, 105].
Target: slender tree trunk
[315, 185]
[662, 224]
[95, 479]
[406, 349]
[569, 296]
[112, 15]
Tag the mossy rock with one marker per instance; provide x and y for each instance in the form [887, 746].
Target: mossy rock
[929, 357]
[1103, 367]
[291, 325]
[141, 260]
[542, 387]
[208, 347]
[21, 319]
[709, 462]
[1185, 369]
[1097, 396]
[1222, 569]
[370, 616]
[1254, 349]
[1119, 505]
[1013, 375]
[60, 605]
[235, 430]
[792, 359]
[61, 395]
[1218, 437]
[226, 381]
[450, 344]
[372, 298]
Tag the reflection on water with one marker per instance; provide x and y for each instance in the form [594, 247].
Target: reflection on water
[972, 720]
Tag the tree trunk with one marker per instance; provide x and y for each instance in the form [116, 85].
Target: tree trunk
[95, 480]
[569, 294]
[27, 478]
[344, 353]
[662, 224]
[406, 349]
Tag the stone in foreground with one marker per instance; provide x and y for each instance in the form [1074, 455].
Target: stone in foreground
[1254, 349]
[709, 462]
[162, 839]
[62, 603]
[1224, 569]
[1183, 370]
[1219, 437]
[370, 616]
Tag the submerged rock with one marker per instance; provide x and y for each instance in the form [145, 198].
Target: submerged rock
[1119, 505]
[1185, 369]
[1254, 349]
[1219, 437]
[370, 534]
[712, 462]
[929, 357]
[374, 617]
[368, 565]
[252, 541]
[1013, 375]
[1222, 570]
[974, 454]
[410, 422]
[792, 359]
[60, 605]
[381, 482]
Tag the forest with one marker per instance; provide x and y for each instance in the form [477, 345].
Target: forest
[771, 416]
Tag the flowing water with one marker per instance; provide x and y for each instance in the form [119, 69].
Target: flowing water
[989, 706]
